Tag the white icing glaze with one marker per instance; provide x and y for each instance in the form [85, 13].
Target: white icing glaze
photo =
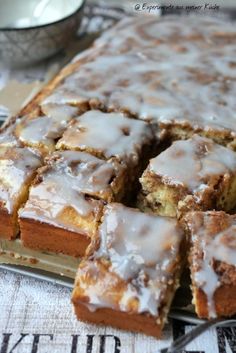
[219, 249]
[93, 175]
[221, 246]
[167, 70]
[60, 190]
[58, 112]
[193, 162]
[36, 131]
[43, 130]
[108, 135]
[7, 138]
[142, 250]
[56, 193]
[17, 166]
[149, 31]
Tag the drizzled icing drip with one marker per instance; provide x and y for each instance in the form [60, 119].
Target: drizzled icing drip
[17, 166]
[192, 163]
[142, 251]
[207, 279]
[107, 135]
[214, 239]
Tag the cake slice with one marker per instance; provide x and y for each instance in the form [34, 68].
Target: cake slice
[131, 272]
[44, 126]
[108, 135]
[195, 174]
[66, 201]
[213, 263]
[17, 169]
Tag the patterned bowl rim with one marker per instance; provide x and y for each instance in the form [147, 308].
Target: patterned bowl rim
[80, 8]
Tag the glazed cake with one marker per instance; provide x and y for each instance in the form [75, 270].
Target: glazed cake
[128, 142]
[61, 214]
[145, 80]
[108, 135]
[17, 169]
[213, 263]
[150, 72]
[131, 271]
[42, 129]
[195, 174]
[150, 31]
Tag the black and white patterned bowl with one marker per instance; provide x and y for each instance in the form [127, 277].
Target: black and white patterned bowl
[41, 39]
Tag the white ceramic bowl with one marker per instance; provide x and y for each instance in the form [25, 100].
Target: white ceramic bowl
[32, 30]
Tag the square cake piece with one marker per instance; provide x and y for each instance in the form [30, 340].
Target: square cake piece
[44, 126]
[63, 209]
[109, 135]
[131, 271]
[195, 174]
[213, 262]
[17, 169]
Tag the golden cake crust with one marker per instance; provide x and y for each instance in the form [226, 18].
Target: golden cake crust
[130, 322]
[46, 237]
